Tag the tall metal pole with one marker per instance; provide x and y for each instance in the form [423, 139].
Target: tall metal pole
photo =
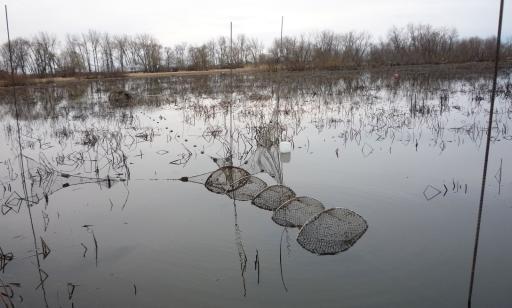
[487, 146]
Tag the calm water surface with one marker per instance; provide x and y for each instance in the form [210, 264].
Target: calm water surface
[407, 155]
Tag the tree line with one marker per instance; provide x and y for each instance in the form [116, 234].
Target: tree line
[94, 52]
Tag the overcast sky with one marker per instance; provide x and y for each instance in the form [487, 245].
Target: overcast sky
[195, 21]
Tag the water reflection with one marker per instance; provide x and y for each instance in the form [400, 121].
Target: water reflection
[73, 136]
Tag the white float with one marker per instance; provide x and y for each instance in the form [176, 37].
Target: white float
[285, 147]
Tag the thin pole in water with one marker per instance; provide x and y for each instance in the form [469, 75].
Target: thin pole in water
[278, 105]
[231, 85]
[281, 43]
[10, 48]
[22, 167]
[231, 44]
[16, 112]
[487, 146]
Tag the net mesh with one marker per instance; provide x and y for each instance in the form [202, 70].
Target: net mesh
[295, 212]
[332, 231]
[250, 188]
[272, 197]
[266, 160]
[42, 180]
[45, 179]
[226, 179]
[198, 179]
[222, 161]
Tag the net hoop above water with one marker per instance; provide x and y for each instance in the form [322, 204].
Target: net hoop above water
[295, 212]
[273, 197]
[226, 179]
[246, 188]
[332, 231]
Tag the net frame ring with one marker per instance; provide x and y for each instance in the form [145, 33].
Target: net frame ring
[297, 221]
[321, 246]
[225, 187]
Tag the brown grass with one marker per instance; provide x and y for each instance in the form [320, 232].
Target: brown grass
[5, 81]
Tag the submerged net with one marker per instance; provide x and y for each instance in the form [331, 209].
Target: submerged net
[250, 187]
[332, 231]
[266, 160]
[45, 179]
[42, 180]
[235, 182]
[295, 212]
[226, 179]
[223, 161]
[273, 197]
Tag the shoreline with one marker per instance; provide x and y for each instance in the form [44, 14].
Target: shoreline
[471, 66]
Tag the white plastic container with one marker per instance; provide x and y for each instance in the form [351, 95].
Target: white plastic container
[285, 147]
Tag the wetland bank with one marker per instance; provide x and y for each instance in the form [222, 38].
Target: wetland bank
[127, 207]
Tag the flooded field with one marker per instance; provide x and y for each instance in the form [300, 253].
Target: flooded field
[182, 192]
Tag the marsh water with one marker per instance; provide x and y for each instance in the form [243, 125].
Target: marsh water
[118, 228]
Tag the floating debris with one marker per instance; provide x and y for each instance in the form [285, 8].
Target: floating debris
[5, 258]
[45, 249]
[431, 192]
[85, 249]
[162, 152]
[71, 290]
[367, 150]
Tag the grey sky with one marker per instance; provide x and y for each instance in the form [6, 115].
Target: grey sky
[195, 21]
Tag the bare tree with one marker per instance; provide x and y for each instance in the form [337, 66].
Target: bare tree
[44, 54]
[255, 50]
[180, 55]
[96, 52]
[85, 51]
[354, 47]
[94, 38]
[398, 43]
[20, 55]
[107, 53]
[71, 59]
[198, 56]
[223, 53]
[294, 54]
[145, 53]
[212, 50]
[170, 58]
[121, 50]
